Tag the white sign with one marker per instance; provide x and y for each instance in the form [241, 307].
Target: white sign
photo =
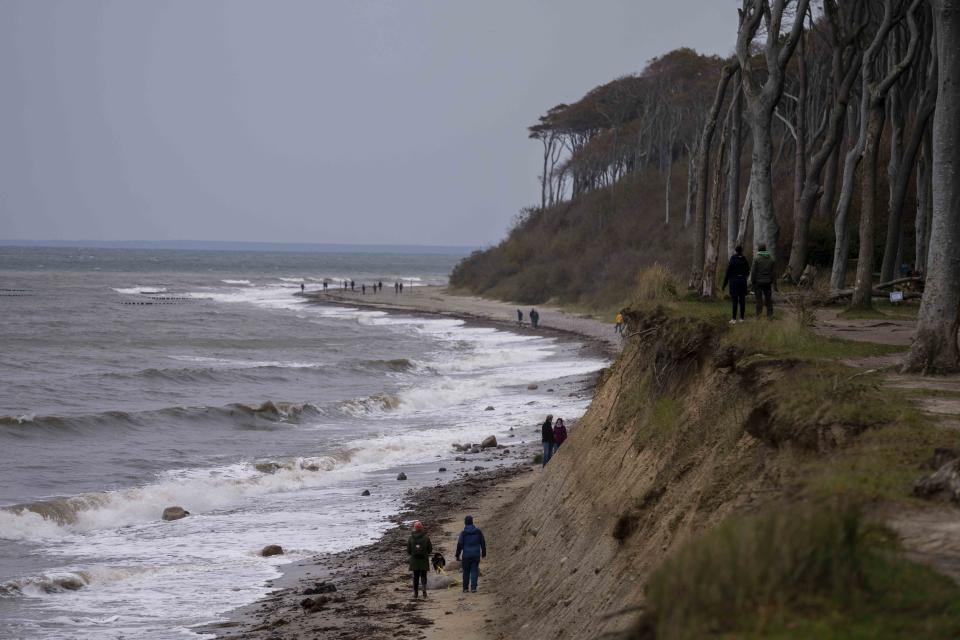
[896, 296]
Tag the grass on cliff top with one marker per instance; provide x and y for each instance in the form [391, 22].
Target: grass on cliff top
[788, 335]
[798, 572]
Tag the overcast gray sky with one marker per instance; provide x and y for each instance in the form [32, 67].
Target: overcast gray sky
[348, 121]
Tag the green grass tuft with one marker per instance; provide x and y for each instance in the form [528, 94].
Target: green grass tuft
[799, 572]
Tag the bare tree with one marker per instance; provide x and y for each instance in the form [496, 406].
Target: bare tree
[709, 278]
[733, 170]
[935, 346]
[845, 25]
[876, 93]
[762, 97]
[924, 205]
[902, 163]
[703, 170]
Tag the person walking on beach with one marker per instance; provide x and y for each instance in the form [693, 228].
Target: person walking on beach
[401, 287]
[546, 436]
[618, 327]
[353, 286]
[301, 287]
[534, 318]
[519, 318]
[470, 547]
[559, 434]
[762, 278]
[736, 276]
[419, 549]
[363, 289]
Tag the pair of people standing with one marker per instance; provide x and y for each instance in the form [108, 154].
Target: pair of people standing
[552, 435]
[761, 277]
[471, 547]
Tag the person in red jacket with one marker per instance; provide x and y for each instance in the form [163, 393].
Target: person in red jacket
[559, 433]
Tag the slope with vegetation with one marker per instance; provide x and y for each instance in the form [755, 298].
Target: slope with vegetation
[728, 482]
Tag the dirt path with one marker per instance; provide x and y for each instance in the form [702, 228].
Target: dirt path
[930, 533]
[440, 301]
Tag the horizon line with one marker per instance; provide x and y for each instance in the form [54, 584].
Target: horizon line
[249, 245]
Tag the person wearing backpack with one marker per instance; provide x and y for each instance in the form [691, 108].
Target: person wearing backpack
[419, 549]
[471, 547]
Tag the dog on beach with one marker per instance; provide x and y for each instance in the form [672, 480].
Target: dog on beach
[438, 562]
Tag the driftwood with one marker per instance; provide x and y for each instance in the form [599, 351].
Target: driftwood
[893, 283]
[846, 293]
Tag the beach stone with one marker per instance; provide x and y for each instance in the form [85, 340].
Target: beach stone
[174, 513]
[549, 390]
[475, 450]
[320, 587]
[478, 468]
[489, 408]
[401, 476]
[267, 467]
[271, 550]
[460, 459]
[489, 441]
[366, 492]
[533, 387]
[443, 469]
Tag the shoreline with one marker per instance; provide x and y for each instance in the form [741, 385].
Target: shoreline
[373, 592]
[437, 300]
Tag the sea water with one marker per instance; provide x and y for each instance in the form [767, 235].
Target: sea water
[132, 380]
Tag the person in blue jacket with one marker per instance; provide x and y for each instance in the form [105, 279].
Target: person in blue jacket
[471, 547]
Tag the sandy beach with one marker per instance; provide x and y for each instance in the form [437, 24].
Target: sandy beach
[373, 593]
[440, 301]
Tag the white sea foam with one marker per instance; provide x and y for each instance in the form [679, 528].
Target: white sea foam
[247, 282]
[141, 289]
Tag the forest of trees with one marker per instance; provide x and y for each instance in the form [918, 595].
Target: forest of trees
[843, 114]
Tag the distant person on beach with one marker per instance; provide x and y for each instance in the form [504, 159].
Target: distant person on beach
[401, 287]
[301, 287]
[324, 285]
[353, 286]
[396, 288]
[737, 272]
[534, 318]
[471, 547]
[559, 434]
[519, 317]
[546, 436]
[380, 285]
[762, 279]
[618, 327]
[363, 289]
[419, 548]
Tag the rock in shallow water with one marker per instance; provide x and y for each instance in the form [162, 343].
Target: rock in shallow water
[174, 513]
[271, 550]
[489, 441]
[366, 492]
[401, 476]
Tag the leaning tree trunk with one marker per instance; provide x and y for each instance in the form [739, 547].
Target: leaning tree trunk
[863, 285]
[934, 347]
[733, 173]
[703, 176]
[713, 237]
[921, 222]
[900, 181]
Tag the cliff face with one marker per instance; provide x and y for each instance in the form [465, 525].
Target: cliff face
[664, 452]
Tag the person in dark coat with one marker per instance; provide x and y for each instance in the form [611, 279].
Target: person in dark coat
[736, 276]
[419, 548]
[559, 433]
[762, 279]
[519, 317]
[546, 436]
[470, 547]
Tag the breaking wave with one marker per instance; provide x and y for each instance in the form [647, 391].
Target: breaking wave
[31, 424]
[197, 490]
